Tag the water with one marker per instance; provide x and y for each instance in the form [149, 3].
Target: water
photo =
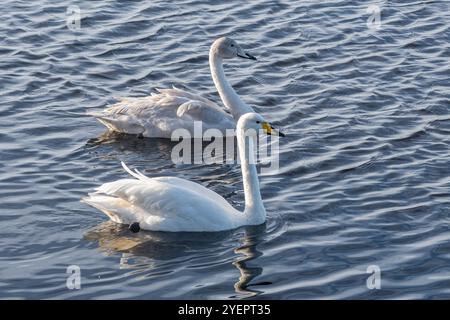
[364, 177]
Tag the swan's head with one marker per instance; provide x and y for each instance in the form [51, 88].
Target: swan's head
[254, 122]
[227, 48]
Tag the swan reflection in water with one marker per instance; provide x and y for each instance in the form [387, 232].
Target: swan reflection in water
[110, 143]
[124, 142]
[145, 250]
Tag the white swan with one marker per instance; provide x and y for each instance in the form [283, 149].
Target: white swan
[174, 204]
[158, 115]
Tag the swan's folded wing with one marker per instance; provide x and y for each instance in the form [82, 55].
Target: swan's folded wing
[175, 92]
[195, 187]
[138, 107]
[165, 99]
[175, 181]
[199, 111]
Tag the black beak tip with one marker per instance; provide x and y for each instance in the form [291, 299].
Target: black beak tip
[281, 134]
[247, 56]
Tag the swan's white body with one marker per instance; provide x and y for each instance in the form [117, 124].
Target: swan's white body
[159, 114]
[174, 204]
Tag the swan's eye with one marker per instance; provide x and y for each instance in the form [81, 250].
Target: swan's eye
[232, 45]
[258, 122]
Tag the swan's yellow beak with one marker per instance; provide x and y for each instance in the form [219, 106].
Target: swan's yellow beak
[270, 130]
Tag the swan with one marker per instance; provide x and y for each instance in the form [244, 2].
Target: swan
[158, 115]
[176, 205]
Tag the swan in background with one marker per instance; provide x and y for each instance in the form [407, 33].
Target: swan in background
[174, 204]
[158, 115]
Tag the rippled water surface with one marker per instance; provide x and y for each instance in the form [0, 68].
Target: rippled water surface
[364, 171]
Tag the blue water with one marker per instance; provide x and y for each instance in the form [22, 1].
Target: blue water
[364, 171]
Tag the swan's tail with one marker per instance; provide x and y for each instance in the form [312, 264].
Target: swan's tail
[108, 122]
[136, 173]
[118, 124]
[117, 209]
[107, 204]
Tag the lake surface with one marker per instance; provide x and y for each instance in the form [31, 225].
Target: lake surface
[364, 179]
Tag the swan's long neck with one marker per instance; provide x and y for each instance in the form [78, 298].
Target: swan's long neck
[229, 97]
[254, 212]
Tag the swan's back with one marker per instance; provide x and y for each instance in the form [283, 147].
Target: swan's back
[165, 204]
[159, 114]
